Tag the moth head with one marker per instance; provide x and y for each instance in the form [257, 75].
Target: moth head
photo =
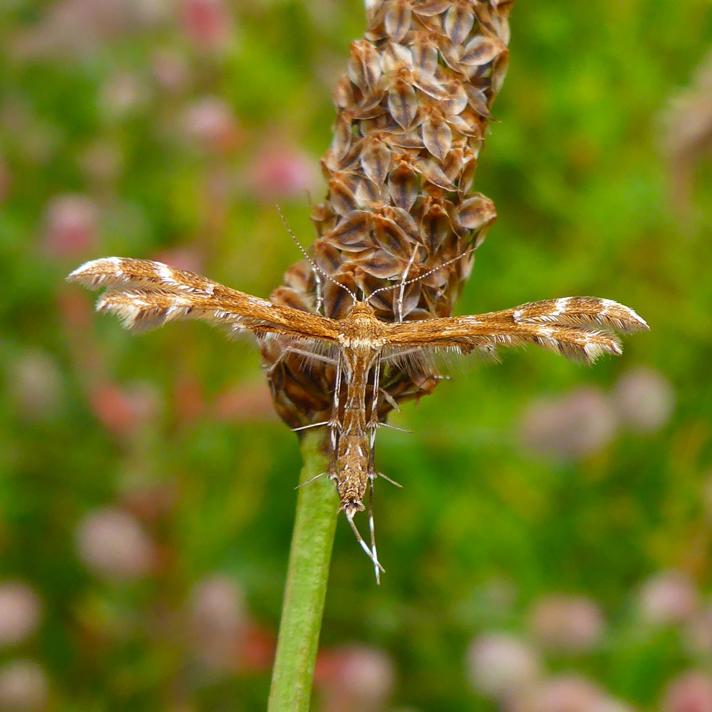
[361, 309]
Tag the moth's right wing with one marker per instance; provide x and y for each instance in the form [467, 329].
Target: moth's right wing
[146, 294]
[579, 328]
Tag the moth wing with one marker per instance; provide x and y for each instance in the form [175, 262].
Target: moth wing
[580, 328]
[145, 294]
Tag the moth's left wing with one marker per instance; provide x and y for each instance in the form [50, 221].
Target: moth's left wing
[577, 327]
[146, 294]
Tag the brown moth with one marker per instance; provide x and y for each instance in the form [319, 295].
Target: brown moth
[146, 294]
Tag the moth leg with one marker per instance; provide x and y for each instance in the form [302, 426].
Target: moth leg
[334, 422]
[393, 427]
[319, 292]
[399, 354]
[372, 527]
[390, 400]
[388, 479]
[311, 425]
[310, 355]
[364, 545]
[373, 421]
[310, 480]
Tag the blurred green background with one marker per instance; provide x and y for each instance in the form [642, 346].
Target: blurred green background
[550, 550]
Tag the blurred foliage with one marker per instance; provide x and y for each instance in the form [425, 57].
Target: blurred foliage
[160, 129]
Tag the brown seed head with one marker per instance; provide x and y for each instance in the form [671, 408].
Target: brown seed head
[412, 110]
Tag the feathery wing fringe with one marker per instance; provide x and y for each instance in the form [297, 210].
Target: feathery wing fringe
[579, 311]
[146, 294]
[569, 326]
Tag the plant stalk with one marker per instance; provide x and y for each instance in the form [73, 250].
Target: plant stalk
[307, 576]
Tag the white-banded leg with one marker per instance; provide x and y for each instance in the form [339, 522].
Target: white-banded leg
[334, 425]
[372, 529]
[390, 427]
[310, 480]
[311, 425]
[310, 355]
[390, 400]
[404, 279]
[301, 352]
[331, 475]
[388, 479]
[334, 422]
[364, 546]
[400, 354]
[319, 291]
[373, 423]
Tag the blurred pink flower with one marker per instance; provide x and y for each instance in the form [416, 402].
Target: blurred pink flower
[644, 400]
[123, 94]
[281, 172]
[667, 598]
[76, 310]
[101, 161]
[698, 632]
[208, 24]
[170, 70]
[690, 692]
[71, 226]
[687, 134]
[245, 401]
[188, 403]
[35, 385]
[572, 426]
[707, 496]
[500, 664]
[567, 623]
[76, 27]
[20, 612]
[124, 409]
[211, 124]
[610, 704]
[4, 181]
[218, 621]
[258, 648]
[35, 138]
[113, 544]
[354, 678]
[149, 501]
[23, 686]
[567, 693]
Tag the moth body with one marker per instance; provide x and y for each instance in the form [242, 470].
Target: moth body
[353, 466]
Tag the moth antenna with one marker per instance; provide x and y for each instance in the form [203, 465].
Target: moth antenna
[372, 529]
[308, 257]
[363, 544]
[404, 277]
[404, 283]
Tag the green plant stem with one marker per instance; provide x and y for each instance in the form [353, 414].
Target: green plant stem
[307, 576]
